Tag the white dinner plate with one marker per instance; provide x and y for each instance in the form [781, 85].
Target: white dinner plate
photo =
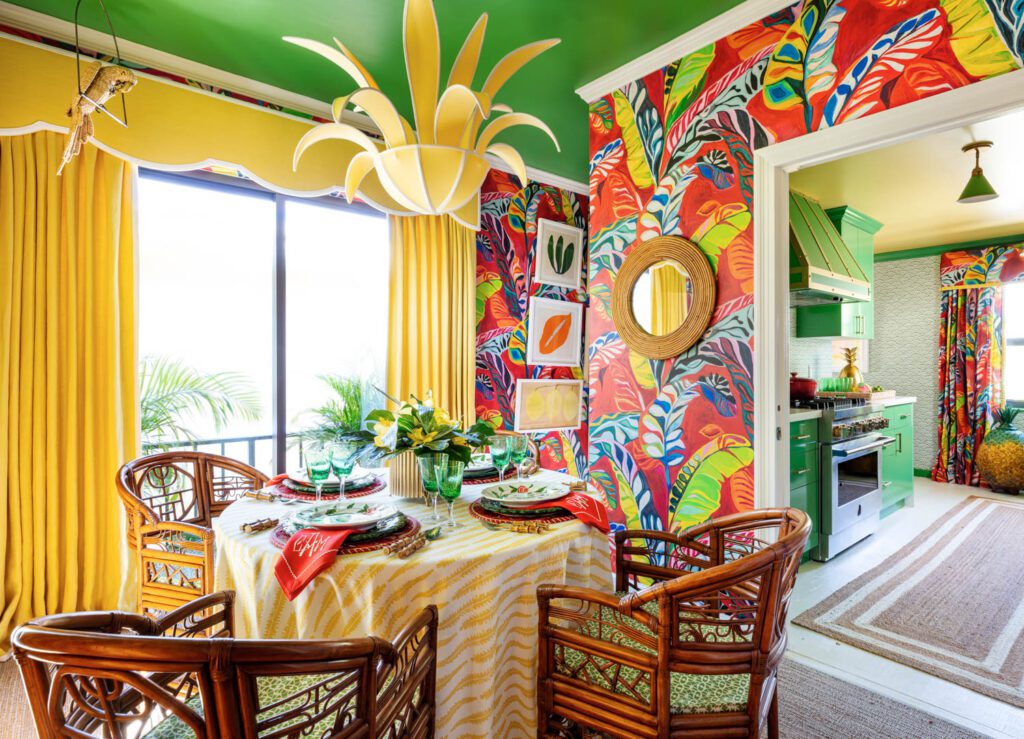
[516, 494]
[343, 515]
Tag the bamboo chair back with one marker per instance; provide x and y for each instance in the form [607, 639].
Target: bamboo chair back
[121, 675]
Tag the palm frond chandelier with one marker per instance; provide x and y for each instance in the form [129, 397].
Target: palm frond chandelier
[439, 167]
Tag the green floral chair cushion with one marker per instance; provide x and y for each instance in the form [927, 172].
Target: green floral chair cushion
[271, 690]
[689, 693]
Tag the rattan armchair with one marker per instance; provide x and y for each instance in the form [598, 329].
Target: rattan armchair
[170, 500]
[695, 654]
[121, 675]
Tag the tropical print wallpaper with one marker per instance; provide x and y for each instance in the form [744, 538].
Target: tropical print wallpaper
[505, 262]
[971, 354]
[671, 153]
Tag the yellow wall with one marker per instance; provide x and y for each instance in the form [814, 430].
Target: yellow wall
[169, 124]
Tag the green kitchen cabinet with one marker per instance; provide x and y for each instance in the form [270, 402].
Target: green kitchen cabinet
[803, 474]
[847, 320]
[898, 458]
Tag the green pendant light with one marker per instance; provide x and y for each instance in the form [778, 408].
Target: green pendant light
[978, 187]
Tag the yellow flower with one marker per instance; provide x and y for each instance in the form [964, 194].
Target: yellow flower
[416, 436]
[459, 441]
[378, 441]
[381, 427]
[441, 417]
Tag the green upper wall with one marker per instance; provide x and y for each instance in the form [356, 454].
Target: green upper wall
[245, 38]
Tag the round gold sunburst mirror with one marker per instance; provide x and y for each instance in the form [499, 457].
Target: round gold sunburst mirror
[663, 297]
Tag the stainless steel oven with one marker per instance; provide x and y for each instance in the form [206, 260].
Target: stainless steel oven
[851, 489]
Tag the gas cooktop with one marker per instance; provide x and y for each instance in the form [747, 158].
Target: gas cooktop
[828, 403]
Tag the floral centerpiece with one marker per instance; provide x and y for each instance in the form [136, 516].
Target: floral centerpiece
[418, 426]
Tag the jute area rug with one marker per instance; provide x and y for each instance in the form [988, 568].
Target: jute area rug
[950, 603]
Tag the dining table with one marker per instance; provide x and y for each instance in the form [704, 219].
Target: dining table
[483, 581]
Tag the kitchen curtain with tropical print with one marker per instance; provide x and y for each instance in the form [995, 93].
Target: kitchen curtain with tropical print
[971, 354]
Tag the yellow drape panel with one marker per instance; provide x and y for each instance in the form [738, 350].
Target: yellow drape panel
[68, 403]
[669, 300]
[432, 320]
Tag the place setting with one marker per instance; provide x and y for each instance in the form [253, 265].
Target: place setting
[529, 507]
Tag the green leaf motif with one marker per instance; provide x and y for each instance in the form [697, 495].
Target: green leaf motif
[636, 157]
[484, 291]
[697, 492]
[687, 82]
[975, 40]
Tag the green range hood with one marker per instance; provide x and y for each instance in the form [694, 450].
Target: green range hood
[822, 268]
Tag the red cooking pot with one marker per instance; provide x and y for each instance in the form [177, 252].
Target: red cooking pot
[801, 388]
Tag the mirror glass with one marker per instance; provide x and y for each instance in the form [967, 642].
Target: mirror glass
[662, 297]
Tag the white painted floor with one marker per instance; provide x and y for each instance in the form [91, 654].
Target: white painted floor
[817, 581]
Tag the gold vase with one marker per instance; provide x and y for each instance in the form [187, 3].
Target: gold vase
[851, 370]
[404, 479]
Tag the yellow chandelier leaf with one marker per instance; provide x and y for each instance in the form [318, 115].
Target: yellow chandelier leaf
[513, 62]
[393, 127]
[464, 68]
[422, 64]
[358, 168]
[469, 214]
[353, 69]
[435, 168]
[368, 80]
[327, 131]
[508, 121]
[372, 191]
[511, 157]
[456, 110]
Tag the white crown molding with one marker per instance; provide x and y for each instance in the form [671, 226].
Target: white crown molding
[544, 178]
[718, 27]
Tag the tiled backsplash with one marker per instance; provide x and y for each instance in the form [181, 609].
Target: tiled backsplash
[821, 357]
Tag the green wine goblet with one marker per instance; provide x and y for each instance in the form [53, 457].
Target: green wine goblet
[429, 464]
[449, 487]
[518, 447]
[318, 468]
[343, 459]
[500, 455]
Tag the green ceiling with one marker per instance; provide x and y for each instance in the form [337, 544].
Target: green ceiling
[245, 38]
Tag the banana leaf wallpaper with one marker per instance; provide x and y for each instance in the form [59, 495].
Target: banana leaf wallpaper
[671, 153]
[505, 265]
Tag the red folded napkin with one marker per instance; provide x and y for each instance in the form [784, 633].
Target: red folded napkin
[308, 553]
[277, 478]
[586, 508]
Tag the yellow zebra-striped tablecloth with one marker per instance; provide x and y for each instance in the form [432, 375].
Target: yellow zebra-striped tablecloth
[483, 582]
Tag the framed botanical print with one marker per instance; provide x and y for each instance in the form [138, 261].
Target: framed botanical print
[554, 332]
[548, 405]
[559, 254]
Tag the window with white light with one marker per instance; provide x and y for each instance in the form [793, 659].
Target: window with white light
[259, 294]
[1013, 330]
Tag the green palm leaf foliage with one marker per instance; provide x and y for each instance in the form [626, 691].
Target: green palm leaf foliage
[697, 492]
[170, 392]
[343, 413]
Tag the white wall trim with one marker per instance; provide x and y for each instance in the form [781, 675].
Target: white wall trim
[55, 28]
[718, 27]
[772, 165]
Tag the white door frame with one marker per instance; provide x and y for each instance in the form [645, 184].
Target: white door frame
[772, 165]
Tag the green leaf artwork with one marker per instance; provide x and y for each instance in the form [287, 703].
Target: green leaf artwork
[560, 254]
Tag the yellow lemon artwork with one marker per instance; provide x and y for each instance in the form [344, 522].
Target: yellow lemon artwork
[548, 405]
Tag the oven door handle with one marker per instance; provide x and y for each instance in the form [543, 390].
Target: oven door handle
[858, 450]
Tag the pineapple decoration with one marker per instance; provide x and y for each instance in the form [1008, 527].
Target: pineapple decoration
[1001, 455]
[851, 370]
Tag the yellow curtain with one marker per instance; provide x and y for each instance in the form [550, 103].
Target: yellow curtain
[432, 319]
[68, 406]
[669, 299]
